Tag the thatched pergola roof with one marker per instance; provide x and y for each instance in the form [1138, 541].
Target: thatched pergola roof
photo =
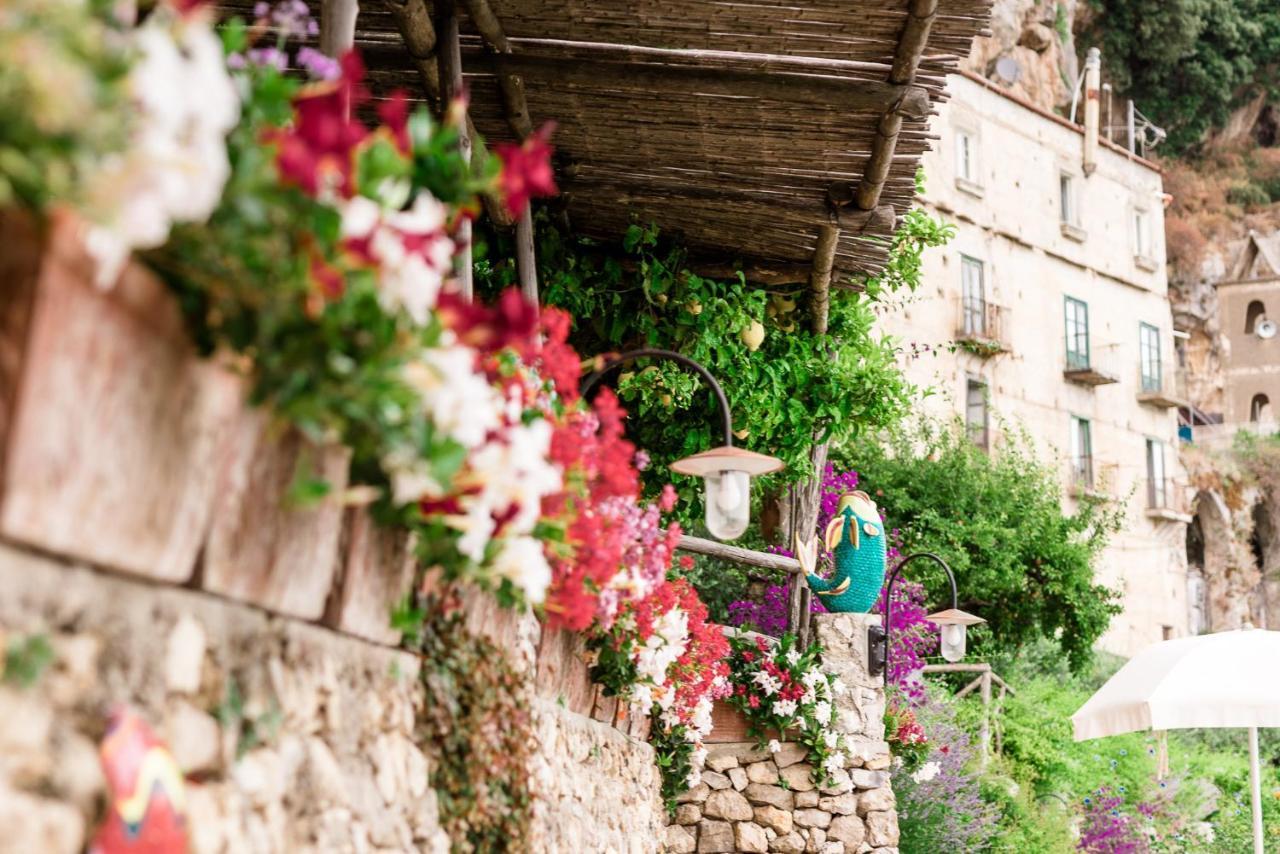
[782, 134]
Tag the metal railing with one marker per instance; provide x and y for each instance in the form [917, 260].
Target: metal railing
[982, 322]
[1167, 495]
[1166, 384]
[1093, 477]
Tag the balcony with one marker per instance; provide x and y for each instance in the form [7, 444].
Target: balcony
[1092, 478]
[981, 327]
[1167, 389]
[1167, 500]
[1090, 368]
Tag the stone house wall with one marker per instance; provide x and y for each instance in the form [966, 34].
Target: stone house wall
[756, 801]
[146, 535]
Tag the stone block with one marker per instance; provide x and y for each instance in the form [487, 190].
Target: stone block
[109, 422]
[774, 818]
[876, 800]
[817, 839]
[865, 779]
[194, 739]
[807, 799]
[184, 656]
[839, 804]
[773, 796]
[882, 828]
[848, 829]
[719, 760]
[377, 572]
[812, 818]
[727, 804]
[762, 772]
[750, 838]
[263, 548]
[838, 783]
[688, 814]
[680, 840]
[715, 780]
[696, 795]
[832, 847]
[798, 777]
[790, 753]
[742, 752]
[715, 837]
[738, 777]
[791, 843]
[40, 824]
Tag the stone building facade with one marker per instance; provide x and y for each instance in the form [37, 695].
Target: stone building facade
[754, 800]
[1249, 323]
[1048, 311]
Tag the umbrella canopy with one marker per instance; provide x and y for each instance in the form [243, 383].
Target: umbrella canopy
[1221, 680]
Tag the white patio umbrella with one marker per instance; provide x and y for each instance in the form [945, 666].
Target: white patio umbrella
[1229, 679]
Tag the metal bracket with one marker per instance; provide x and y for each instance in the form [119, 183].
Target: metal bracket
[876, 637]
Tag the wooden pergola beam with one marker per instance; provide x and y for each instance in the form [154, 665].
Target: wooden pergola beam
[735, 554]
[911, 45]
[813, 90]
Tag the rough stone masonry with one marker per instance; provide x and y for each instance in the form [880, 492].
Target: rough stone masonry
[756, 801]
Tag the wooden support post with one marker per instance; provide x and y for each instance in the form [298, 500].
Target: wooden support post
[526, 260]
[451, 73]
[984, 734]
[824, 256]
[338, 26]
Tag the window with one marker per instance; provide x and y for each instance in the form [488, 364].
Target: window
[975, 412]
[1149, 357]
[973, 296]
[1255, 312]
[1260, 408]
[1141, 233]
[1067, 199]
[1157, 488]
[1077, 318]
[1166, 632]
[966, 157]
[1081, 453]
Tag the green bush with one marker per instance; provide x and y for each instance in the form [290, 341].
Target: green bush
[1248, 194]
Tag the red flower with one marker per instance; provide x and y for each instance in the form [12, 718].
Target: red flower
[511, 323]
[526, 169]
[394, 113]
[318, 150]
[748, 655]
[753, 701]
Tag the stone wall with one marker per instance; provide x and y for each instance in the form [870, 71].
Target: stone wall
[146, 534]
[756, 801]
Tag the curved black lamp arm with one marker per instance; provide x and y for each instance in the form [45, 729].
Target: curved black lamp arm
[882, 636]
[591, 380]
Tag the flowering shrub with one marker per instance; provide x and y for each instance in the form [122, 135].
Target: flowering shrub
[907, 739]
[782, 690]
[1109, 830]
[940, 803]
[663, 656]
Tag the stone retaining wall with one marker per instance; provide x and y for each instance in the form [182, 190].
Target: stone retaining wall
[753, 800]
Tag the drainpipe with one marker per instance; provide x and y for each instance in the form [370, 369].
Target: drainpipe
[1092, 87]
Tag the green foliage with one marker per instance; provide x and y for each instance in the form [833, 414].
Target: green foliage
[997, 520]
[25, 659]
[476, 724]
[62, 95]
[1248, 194]
[1187, 63]
[786, 389]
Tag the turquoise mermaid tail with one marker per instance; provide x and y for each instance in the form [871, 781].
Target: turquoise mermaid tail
[856, 540]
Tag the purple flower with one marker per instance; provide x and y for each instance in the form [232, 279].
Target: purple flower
[318, 65]
[269, 57]
[291, 18]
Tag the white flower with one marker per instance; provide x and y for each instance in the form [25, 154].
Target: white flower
[699, 725]
[837, 687]
[767, 683]
[774, 745]
[831, 739]
[642, 696]
[694, 778]
[522, 561]
[822, 711]
[663, 647]
[175, 165]
[410, 248]
[784, 708]
[926, 772]
[812, 678]
[458, 398]
[699, 757]
[791, 657]
[834, 762]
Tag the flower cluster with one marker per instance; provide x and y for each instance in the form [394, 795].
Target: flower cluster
[906, 737]
[782, 690]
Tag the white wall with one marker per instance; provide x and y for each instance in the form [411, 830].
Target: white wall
[1010, 222]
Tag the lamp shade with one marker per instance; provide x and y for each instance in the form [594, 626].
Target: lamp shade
[726, 473]
[726, 458]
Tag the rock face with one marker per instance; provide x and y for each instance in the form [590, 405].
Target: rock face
[1031, 52]
[781, 808]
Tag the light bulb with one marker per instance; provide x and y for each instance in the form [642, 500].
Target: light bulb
[728, 500]
[953, 637]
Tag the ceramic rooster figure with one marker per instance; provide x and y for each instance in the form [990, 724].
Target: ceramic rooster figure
[147, 809]
[855, 538]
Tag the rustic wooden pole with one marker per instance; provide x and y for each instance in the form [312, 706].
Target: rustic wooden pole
[824, 256]
[451, 72]
[526, 260]
[984, 734]
[736, 554]
[338, 26]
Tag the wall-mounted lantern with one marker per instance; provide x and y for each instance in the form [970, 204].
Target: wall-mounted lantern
[726, 471]
[953, 622]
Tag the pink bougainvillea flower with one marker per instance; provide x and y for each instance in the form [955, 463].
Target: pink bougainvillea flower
[526, 169]
[511, 323]
[394, 113]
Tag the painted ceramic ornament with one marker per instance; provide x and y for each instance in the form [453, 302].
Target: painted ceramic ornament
[147, 810]
[856, 540]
